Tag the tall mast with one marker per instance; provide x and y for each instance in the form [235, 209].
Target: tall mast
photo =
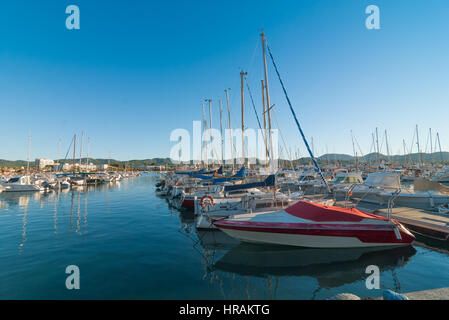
[386, 141]
[221, 130]
[431, 147]
[230, 129]
[265, 124]
[353, 149]
[204, 129]
[405, 154]
[439, 146]
[210, 131]
[377, 144]
[296, 119]
[242, 75]
[430, 134]
[81, 147]
[419, 150]
[87, 158]
[267, 91]
[74, 152]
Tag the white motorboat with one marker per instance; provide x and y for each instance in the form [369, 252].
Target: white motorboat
[442, 176]
[21, 184]
[307, 224]
[380, 187]
[231, 207]
[425, 194]
[444, 208]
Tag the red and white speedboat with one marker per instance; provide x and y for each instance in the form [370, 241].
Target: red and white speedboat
[307, 224]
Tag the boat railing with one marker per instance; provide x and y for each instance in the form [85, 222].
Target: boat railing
[371, 188]
[393, 197]
[349, 193]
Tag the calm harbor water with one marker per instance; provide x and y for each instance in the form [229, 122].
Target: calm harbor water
[129, 244]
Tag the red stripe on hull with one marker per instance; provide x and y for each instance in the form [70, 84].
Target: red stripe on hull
[188, 203]
[384, 235]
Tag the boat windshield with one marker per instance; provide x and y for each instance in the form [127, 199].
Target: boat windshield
[385, 180]
[12, 180]
[354, 179]
[339, 179]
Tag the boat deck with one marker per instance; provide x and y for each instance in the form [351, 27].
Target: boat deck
[427, 223]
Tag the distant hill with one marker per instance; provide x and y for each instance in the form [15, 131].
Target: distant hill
[436, 157]
[414, 157]
[14, 163]
[336, 156]
[112, 162]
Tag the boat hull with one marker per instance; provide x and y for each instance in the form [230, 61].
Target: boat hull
[305, 238]
[22, 188]
[188, 204]
[317, 234]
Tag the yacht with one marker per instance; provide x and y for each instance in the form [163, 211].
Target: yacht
[21, 184]
[381, 187]
[442, 176]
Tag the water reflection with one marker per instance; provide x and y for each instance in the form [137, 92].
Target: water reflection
[216, 239]
[24, 223]
[332, 268]
[20, 199]
[10, 200]
[228, 268]
[55, 214]
[66, 204]
[80, 206]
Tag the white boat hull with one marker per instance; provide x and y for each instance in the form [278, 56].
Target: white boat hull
[22, 188]
[312, 225]
[302, 240]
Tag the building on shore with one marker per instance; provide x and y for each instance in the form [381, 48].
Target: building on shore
[42, 163]
[84, 167]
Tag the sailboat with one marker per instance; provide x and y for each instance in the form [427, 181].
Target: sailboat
[22, 183]
[308, 224]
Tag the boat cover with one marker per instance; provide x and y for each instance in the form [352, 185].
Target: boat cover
[214, 179]
[321, 213]
[268, 182]
[425, 185]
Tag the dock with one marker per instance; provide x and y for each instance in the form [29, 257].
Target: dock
[433, 294]
[422, 222]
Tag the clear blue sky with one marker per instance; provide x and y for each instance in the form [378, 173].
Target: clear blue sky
[136, 70]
